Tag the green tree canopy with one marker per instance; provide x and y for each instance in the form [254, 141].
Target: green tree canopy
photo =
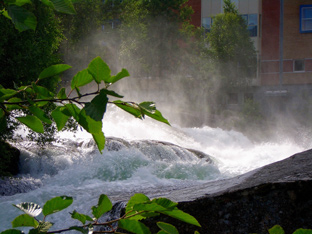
[231, 48]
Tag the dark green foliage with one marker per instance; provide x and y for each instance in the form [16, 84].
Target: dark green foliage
[9, 159]
[24, 55]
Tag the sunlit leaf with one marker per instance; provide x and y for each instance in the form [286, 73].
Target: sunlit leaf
[6, 94]
[80, 79]
[62, 94]
[303, 231]
[47, 3]
[81, 217]
[64, 6]
[6, 14]
[99, 139]
[156, 115]
[134, 200]
[59, 117]
[24, 220]
[90, 125]
[22, 2]
[53, 70]
[131, 108]
[124, 73]
[99, 70]
[43, 227]
[32, 122]
[165, 202]
[40, 114]
[179, 214]
[97, 107]
[22, 18]
[56, 204]
[133, 226]
[277, 229]
[29, 208]
[104, 205]
[167, 228]
[13, 106]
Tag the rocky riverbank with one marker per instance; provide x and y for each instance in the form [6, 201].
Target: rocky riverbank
[280, 193]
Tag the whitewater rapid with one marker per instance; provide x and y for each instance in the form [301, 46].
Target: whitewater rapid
[73, 166]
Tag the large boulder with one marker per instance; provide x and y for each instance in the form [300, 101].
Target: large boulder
[279, 193]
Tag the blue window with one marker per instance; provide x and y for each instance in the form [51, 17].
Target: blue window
[305, 18]
[252, 24]
[206, 23]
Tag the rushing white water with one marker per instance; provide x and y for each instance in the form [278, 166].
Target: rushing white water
[73, 167]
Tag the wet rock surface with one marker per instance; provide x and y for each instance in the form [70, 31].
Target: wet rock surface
[279, 193]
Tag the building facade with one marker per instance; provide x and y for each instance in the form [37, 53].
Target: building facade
[282, 34]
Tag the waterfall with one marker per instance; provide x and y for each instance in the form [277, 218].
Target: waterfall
[140, 156]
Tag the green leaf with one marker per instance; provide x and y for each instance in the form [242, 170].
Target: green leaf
[80, 79]
[62, 94]
[6, 14]
[72, 110]
[12, 231]
[124, 73]
[133, 226]
[157, 116]
[32, 122]
[56, 204]
[13, 106]
[131, 108]
[277, 229]
[6, 94]
[22, 18]
[40, 114]
[167, 228]
[111, 93]
[99, 139]
[162, 232]
[47, 3]
[136, 199]
[303, 231]
[43, 226]
[90, 125]
[53, 70]
[97, 107]
[59, 117]
[81, 217]
[64, 6]
[149, 207]
[24, 220]
[42, 92]
[179, 214]
[22, 2]
[29, 208]
[99, 70]
[104, 205]
[3, 122]
[165, 202]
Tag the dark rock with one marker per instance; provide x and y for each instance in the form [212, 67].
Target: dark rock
[280, 193]
[9, 159]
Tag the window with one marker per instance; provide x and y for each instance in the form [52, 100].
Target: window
[252, 24]
[305, 18]
[299, 65]
[206, 24]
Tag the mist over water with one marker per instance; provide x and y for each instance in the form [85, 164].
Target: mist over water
[73, 166]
